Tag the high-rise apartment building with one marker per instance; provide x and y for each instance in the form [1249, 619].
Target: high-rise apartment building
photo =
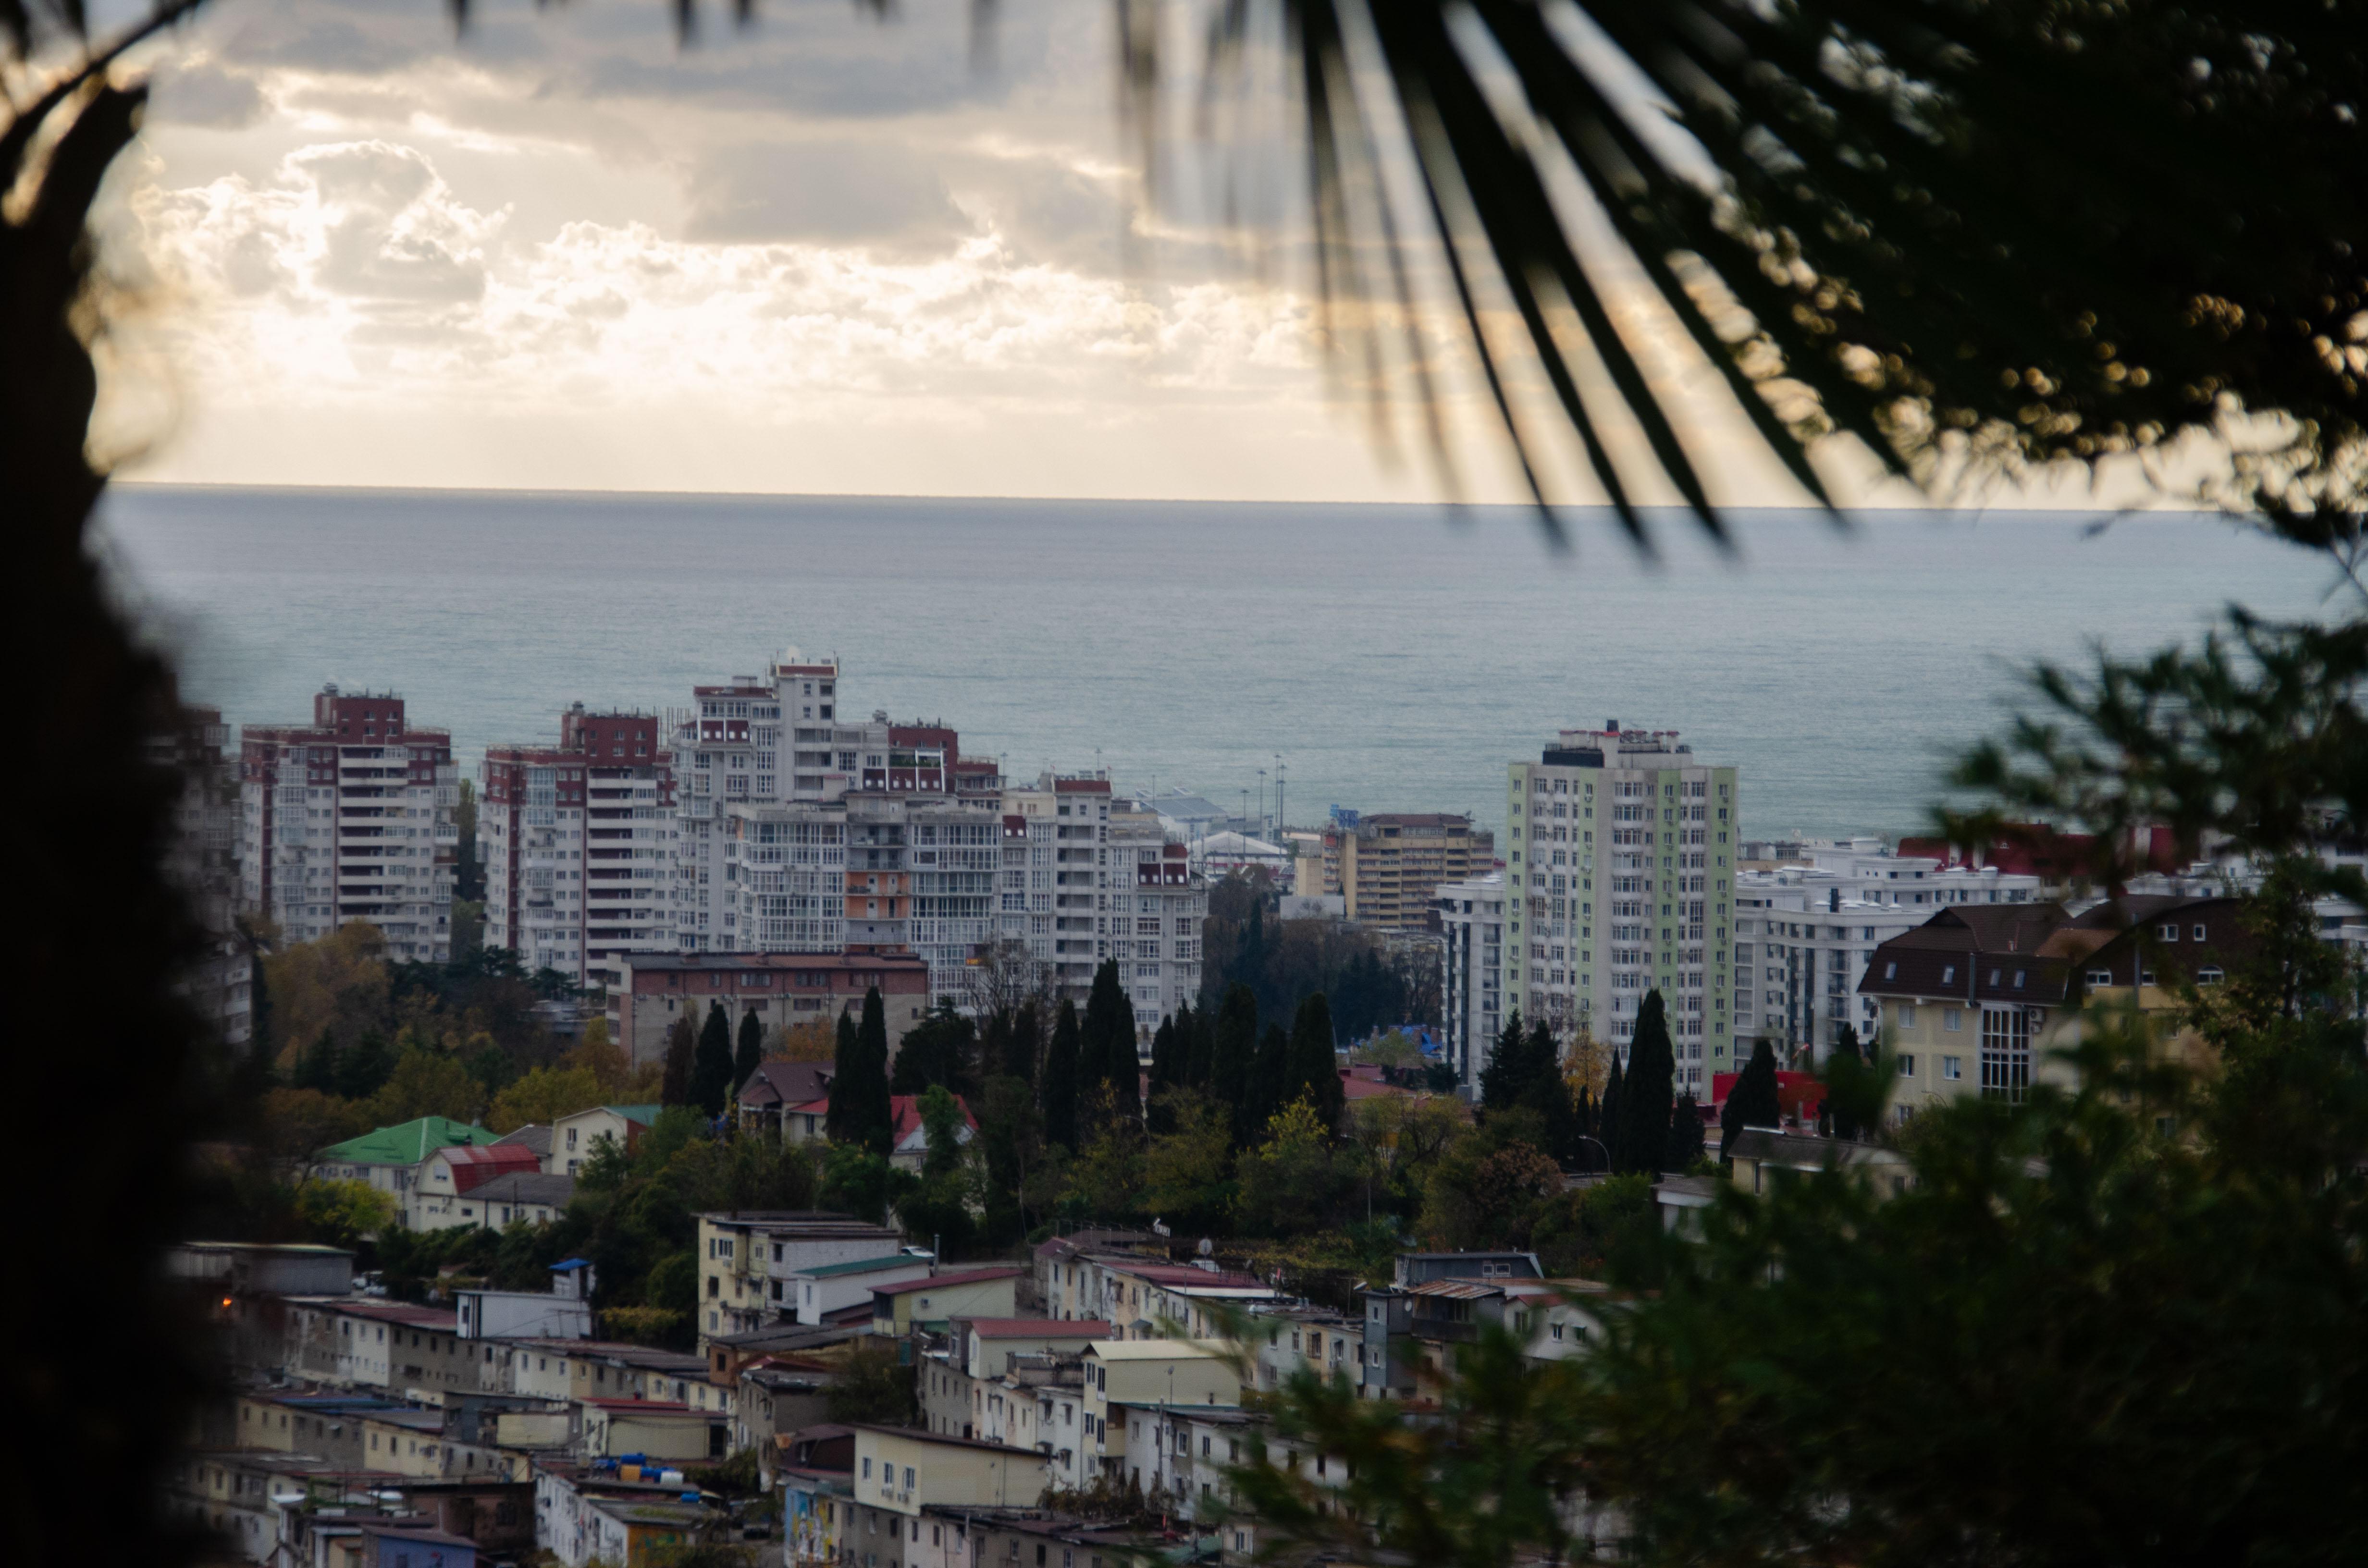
[1387, 866]
[579, 846]
[350, 818]
[1619, 881]
[1804, 934]
[1470, 994]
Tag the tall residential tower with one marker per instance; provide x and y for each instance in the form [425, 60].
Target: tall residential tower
[1619, 881]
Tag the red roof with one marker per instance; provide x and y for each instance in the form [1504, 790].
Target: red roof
[1183, 1275]
[1038, 1328]
[905, 1116]
[968, 1277]
[1797, 1094]
[475, 1164]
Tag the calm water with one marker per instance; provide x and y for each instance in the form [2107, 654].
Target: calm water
[1394, 659]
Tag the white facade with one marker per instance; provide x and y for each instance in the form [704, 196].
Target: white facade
[1619, 879]
[1471, 995]
[351, 819]
[1803, 936]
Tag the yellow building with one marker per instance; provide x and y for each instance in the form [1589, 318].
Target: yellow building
[1389, 866]
[902, 1470]
[898, 1309]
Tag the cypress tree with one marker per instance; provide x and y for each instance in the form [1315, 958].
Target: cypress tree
[1123, 1071]
[1549, 1092]
[1607, 1113]
[1752, 1102]
[1311, 1069]
[1061, 1079]
[846, 1074]
[1106, 1041]
[676, 1087]
[873, 1117]
[260, 1027]
[1163, 1076]
[1647, 1093]
[360, 1070]
[711, 1067]
[1836, 1118]
[1685, 1135]
[1232, 1052]
[1508, 1071]
[1263, 1095]
[1192, 1047]
[751, 1052]
[995, 1045]
[1026, 1040]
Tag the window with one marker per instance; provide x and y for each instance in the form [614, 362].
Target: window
[2099, 977]
[1891, 970]
[1949, 974]
[1953, 1067]
[2005, 1054]
[1907, 1066]
[2168, 931]
[2197, 934]
[1907, 1015]
[1952, 1019]
[2210, 974]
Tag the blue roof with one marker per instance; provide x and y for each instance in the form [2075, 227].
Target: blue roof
[568, 1264]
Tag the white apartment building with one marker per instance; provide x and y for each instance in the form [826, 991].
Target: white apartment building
[350, 818]
[1085, 880]
[1471, 918]
[1804, 935]
[1619, 881]
[578, 843]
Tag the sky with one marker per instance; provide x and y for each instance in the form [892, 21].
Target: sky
[828, 253]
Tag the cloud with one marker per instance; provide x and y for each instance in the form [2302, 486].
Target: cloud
[199, 92]
[838, 191]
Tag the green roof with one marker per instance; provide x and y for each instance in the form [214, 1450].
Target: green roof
[644, 1114]
[859, 1266]
[407, 1144]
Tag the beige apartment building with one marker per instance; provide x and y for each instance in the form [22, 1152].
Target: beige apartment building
[1389, 866]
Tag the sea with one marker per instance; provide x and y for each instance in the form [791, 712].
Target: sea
[1378, 658]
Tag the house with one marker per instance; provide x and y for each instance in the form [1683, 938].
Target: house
[1069, 1281]
[613, 1427]
[899, 1471]
[897, 1310]
[1386, 1311]
[1122, 1372]
[1553, 1319]
[1287, 1341]
[969, 1388]
[522, 1314]
[776, 1086]
[819, 1294]
[747, 1259]
[813, 1471]
[391, 1158]
[572, 1137]
[1762, 1160]
[535, 1136]
[1177, 1454]
[909, 1137]
[1979, 1000]
[530, 1198]
[777, 1395]
[357, 1343]
[443, 1197]
[250, 1268]
[588, 1513]
[393, 1543]
[1143, 1297]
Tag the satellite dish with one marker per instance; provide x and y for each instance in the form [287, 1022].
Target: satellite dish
[1159, 1228]
[1207, 1246]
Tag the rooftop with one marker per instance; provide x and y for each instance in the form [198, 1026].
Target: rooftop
[862, 1266]
[943, 1281]
[1156, 1349]
[406, 1143]
[1038, 1328]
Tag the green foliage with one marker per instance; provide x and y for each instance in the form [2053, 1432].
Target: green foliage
[1187, 1170]
[711, 1065]
[1164, 1072]
[1104, 1181]
[1604, 1229]
[863, 1183]
[1486, 1188]
[1752, 1101]
[1686, 1139]
[938, 1049]
[939, 1205]
[1262, 1096]
[871, 1386]
[363, 1068]
[1298, 1177]
[425, 1082]
[342, 1212]
[1010, 1146]
[861, 1112]
[1511, 1068]
[1233, 1050]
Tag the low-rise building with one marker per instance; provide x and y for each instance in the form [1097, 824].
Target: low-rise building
[899, 1471]
[826, 1291]
[614, 1428]
[813, 1471]
[908, 1135]
[744, 1257]
[1386, 1311]
[932, 1301]
[1135, 1373]
[572, 1137]
[445, 1196]
[780, 989]
[762, 1104]
[522, 1314]
[1145, 1299]
[393, 1159]
[586, 1514]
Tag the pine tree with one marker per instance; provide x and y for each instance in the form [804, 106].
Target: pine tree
[675, 1089]
[1106, 1044]
[751, 1052]
[1835, 1117]
[1312, 1068]
[1122, 1072]
[1685, 1135]
[1232, 1052]
[1507, 1072]
[1062, 1079]
[711, 1067]
[1752, 1101]
[363, 1069]
[1647, 1093]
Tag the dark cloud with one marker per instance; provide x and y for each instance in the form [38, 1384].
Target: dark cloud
[838, 192]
